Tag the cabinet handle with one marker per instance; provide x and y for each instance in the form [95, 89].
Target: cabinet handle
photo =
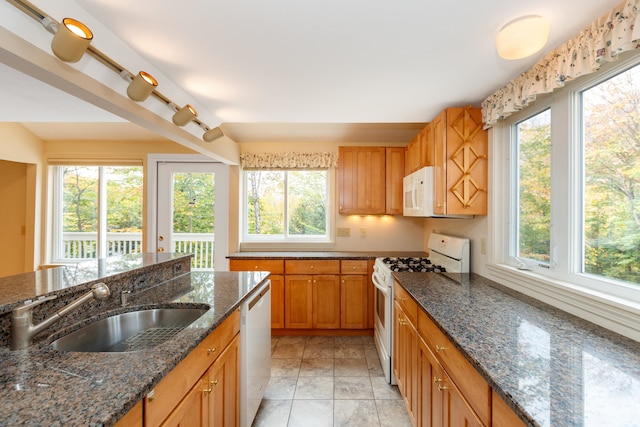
[256, 267]
[437, 380]
[343, 281]
[443, 387]
[207, 390]
[311, 267]
[401, 320]
[211, 351]
[354, 267]
[438, 348]
[214, 382]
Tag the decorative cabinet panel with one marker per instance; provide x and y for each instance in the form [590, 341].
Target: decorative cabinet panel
[370, 180]
[460, 162]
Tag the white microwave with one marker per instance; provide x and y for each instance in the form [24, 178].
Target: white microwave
[417, 199]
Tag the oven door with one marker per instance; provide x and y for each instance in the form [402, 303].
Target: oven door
[383, 324]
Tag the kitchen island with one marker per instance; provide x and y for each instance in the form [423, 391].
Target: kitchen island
[41, 386]
[549, 367]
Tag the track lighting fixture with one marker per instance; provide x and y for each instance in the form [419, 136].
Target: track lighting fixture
[211, 135]
[71, 40]
[141, 86]
[184, 115]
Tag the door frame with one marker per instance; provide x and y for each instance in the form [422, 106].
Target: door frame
[221, 263]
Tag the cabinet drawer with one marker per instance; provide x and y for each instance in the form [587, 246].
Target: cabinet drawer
[274, 266]
[313, 266]
[168, 393]
[407, 303]
[348, 266]
[471, 384]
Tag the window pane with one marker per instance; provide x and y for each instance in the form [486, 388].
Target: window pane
[124, 209]
[307, 199]
[265, 202]
[534, 187]
[611, 113]
[80, 211]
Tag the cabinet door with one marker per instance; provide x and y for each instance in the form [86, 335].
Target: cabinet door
[502, 415]
[456, 410]
[353, 302]
[405, 356]
[361, 180]
[466, 157]
[223, 409]
[412, 155]
[298, 292]
[277, 301]
[430, 376]
[394, 175]
[326, 302]
[438, 127]
[192, 409]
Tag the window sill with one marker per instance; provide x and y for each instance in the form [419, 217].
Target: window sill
[609, 312]
[286, 246]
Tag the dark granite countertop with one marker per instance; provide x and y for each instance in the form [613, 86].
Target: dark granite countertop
[324, 255]
[40, 386]
[552, 368]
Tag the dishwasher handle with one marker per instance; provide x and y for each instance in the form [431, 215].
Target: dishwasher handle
[262, 293]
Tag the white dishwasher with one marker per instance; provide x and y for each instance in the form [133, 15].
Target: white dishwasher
[255, 352]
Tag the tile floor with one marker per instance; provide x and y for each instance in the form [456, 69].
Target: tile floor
[328, 381]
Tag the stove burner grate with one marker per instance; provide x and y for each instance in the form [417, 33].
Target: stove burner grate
[407, 264]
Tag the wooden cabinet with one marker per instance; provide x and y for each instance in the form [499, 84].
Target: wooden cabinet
[276, 268]
[394, 173]
[133, 418]
[312, 294]
[353, 294]
[405, 352]
[439, 386]
[459, 149]
[419, 152]
[222, 397]
[180, 399]
[502, 415]
[370, 180]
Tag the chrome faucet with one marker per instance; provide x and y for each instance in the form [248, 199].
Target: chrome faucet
[22, 328]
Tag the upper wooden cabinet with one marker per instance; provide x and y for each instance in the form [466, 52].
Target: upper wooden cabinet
[460, 162]
[370, 180]
[419, 152]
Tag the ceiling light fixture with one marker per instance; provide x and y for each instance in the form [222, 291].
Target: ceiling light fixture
[71, 40]
[211, 135]
[141, 86]
[522, 37]
[184, 115]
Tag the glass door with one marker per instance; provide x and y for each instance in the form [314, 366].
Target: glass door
[192, 204]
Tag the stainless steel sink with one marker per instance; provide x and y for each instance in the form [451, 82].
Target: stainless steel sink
[132, 331]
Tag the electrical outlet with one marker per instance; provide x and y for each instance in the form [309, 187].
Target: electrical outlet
[343, 232]
[363, 232]
[483, 246]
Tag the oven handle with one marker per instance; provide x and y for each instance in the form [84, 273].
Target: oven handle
[383, 289]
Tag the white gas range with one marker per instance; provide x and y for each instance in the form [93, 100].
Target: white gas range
[446, 254]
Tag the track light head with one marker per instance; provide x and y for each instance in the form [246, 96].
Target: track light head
[212, 134]
[71, 40]
[142, 85]
[184, 115]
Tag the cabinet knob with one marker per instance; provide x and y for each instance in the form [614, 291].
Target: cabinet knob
[207, 390]
[311, 267]
[211, 351]
[354, 267]
[256, 267]
[437, 380]
[443, 387]
[439, 349]
[214, 382]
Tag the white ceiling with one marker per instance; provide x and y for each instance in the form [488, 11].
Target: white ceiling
[300, 70]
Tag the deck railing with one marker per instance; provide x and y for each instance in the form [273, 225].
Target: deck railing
[78, 245]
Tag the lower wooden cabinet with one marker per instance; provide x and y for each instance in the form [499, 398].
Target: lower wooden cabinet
[204, 388]
[312, 302]
[438, 385]
[133, 418]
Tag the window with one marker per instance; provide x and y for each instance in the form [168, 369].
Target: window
[97, 211]
[611, 204]
[533, 143]
[571, 186]
[286, 206]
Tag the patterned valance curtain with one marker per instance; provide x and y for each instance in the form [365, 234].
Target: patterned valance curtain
[288, 160]
[614, 33]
